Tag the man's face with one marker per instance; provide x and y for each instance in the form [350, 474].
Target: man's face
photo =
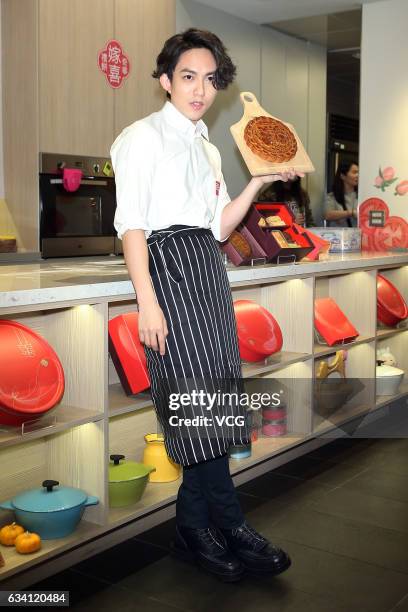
[191, 88]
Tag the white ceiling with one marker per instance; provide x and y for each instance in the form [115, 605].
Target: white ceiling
[267, 11]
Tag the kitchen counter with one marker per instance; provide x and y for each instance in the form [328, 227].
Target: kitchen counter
[60, 280]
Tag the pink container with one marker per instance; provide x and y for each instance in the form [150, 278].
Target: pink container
[269, 428]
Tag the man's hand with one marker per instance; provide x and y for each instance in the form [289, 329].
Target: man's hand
[283, 176]
[153, 327]
[300, 218]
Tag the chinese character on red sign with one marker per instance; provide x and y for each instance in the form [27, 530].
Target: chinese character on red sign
[114, 63]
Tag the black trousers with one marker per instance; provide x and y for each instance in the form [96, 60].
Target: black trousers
[207, 494]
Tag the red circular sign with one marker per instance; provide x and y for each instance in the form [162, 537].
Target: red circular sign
[364, 213]
[114, 63]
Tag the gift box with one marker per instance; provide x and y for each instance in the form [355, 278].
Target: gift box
[235, 255]
[331, 322]
[342, 239]
[279, 242]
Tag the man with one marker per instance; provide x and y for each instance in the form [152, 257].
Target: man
[172, 206]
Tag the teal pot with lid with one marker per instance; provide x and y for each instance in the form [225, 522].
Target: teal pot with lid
[127, 481]
[52, 511]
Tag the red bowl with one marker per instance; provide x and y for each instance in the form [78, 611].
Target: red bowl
[259, 334]
[127, 353]
[331, 322]
[31, 375]
[391, 306]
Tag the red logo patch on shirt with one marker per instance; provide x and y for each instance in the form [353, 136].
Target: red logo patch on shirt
[217, 187]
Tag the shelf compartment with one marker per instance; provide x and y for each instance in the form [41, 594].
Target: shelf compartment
[75, 457]
[291, 304]
[355, 294]
[273, 363]
[61, 418]
[320, 350]
[158, 495]
[120, 403]
[16, 562]
[383, 400]
[343, 416]
[77, 335]
[389, 332]
[398, 346]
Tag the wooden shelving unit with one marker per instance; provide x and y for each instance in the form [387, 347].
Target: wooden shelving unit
[96, 417]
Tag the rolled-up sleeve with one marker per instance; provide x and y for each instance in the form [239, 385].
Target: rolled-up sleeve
[133, 155]
[223, 200]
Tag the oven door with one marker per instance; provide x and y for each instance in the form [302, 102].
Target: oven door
[79, 222]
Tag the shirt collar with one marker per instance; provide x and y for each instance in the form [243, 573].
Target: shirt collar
[182, 123]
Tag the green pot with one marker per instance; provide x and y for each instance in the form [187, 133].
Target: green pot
[127, 481]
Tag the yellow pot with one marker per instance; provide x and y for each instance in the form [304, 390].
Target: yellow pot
[155, 454]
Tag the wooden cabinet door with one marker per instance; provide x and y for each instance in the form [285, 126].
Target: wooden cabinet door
[141, 27]
[75, 101]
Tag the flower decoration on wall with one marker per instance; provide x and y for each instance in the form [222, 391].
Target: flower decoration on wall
[402, 188]
[385, 178]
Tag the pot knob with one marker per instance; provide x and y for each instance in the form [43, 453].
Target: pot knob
[50, 484]
[117, 458]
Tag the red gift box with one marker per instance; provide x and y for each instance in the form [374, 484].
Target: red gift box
[266, 238]
[127, 353]
[331, 322]
[235, 257]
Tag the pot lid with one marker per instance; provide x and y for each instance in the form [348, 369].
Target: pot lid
[386, 370]
[50, 498]
[31, 374]
[122, 471]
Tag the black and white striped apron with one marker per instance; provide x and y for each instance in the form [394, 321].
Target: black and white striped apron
[202, 355]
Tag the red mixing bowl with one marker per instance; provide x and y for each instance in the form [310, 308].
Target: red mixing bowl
[391, 306]
[259, 334]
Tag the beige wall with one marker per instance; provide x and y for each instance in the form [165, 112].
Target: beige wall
[384, 100]
[288, 77]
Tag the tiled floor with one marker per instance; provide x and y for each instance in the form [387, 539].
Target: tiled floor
[341, 512]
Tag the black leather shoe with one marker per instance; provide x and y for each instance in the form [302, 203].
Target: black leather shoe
[206, 548]
[256, 552]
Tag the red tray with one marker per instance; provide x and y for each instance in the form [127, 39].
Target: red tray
[391, 306]
[259, 334]
[331, 322]
[127, 353]
[31, 375]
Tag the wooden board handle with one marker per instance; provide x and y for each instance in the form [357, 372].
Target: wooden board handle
[250, 104]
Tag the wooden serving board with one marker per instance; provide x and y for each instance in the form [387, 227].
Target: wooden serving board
[256, 165]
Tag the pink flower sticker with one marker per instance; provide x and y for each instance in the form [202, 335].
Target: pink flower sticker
[385, 178]
[402, 188]
[388, 173]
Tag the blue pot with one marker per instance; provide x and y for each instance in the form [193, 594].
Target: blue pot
[50, 512]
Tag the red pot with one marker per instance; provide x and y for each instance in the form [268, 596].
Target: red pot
[259, 334]
[31, 375]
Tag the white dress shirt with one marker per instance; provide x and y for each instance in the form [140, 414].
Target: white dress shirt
[167, 173]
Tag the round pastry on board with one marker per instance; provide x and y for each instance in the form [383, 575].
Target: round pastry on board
[270, 139]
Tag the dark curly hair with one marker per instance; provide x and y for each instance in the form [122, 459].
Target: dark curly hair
[196, 39]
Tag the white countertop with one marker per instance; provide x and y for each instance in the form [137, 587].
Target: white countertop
[61, 280]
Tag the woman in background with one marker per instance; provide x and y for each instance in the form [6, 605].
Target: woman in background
[341, 202]
[294, 196]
